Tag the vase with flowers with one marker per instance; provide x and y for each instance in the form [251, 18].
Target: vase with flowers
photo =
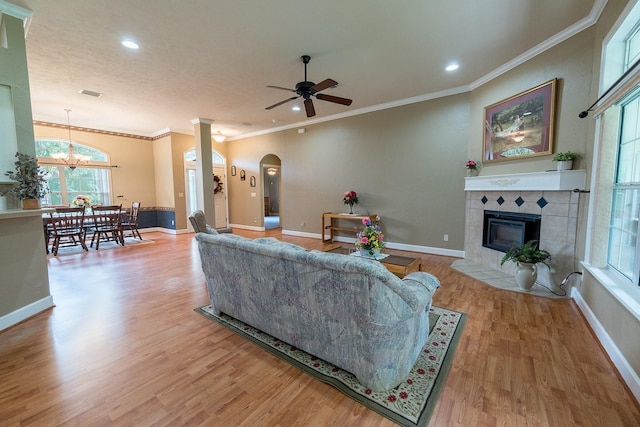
[370, 241]
[472, 168]
[350, 198]
[81, 201]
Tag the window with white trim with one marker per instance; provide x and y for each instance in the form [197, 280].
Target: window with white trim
[615, 212]
[91, 179]
[625, 209]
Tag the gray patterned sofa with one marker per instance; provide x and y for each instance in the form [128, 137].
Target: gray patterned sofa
[349, 311]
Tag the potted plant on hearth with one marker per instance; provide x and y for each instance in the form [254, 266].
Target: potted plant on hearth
[565, 159]
[526, 257]
[30, 183]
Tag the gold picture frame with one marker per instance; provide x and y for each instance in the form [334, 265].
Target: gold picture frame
[520, 126]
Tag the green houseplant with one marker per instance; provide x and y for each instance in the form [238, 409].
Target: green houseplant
[565, 159]
[526, 257]
[30, 183]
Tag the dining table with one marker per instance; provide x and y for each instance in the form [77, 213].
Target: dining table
[87, 223]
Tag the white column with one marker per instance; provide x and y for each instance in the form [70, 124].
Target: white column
[204, 168]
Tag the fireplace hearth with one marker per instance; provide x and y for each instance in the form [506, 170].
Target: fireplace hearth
[503, 230]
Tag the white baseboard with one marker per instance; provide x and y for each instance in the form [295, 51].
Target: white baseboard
[301, 234]
[620, 362]
[390, 245]
[25, 312]
[246, 227]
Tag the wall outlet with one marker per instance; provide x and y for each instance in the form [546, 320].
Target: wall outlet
[446, 238]
[173, 222]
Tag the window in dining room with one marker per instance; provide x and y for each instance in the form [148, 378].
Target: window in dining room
[91, 179]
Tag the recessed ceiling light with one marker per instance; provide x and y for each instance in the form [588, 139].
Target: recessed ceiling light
[130, 44]
[452, 67]
[295, 108]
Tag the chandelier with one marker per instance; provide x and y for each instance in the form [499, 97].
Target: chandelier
[70, 159]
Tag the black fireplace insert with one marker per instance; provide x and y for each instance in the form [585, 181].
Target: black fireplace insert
[503, 230]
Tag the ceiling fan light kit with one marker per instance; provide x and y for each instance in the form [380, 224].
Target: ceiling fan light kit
[307, 89]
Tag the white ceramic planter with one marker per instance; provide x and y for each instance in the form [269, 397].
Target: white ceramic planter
[526, 275]
[565, 165]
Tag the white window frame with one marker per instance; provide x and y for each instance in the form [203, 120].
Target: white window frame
[91, 164]
[614, 63]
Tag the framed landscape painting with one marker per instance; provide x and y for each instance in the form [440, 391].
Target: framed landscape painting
[520, 126]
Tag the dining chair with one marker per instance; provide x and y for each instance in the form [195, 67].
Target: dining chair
[130, 221]
[107, 224]
[67, 223]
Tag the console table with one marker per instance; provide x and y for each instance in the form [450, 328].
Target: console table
[334, 218]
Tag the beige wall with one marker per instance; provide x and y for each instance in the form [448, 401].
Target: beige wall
[162, 162]
[405, 163]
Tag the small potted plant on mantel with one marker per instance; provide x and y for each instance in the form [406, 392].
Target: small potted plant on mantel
[565, 159]
[30, 183]
[526, 257]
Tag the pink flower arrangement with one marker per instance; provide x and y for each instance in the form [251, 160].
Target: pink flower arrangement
[350, 198]
[471, 164]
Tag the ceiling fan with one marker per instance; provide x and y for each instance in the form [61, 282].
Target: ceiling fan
[307, 89]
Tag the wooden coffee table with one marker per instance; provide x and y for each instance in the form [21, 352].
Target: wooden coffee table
[398, 265]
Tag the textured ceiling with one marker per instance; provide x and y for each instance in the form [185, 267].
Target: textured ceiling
[214, 59]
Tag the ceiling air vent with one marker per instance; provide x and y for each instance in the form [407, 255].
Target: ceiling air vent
[91, 93]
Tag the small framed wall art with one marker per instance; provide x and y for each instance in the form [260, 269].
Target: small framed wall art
[233, 171]
[242, 175]
[520, 126]
[252, 181]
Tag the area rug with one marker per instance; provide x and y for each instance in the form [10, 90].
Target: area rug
[77, 249]
[409, 404]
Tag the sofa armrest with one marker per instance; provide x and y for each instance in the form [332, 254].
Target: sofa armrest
[418, 289]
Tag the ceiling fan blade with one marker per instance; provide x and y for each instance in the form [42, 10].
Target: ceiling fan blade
[282, 88]
[336, 99]
[308, 106]
[325, 84]
[282, 102]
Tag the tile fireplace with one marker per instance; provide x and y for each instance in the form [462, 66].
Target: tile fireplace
[547, 201]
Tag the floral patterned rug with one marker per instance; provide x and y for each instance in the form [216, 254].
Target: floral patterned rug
[410, 403]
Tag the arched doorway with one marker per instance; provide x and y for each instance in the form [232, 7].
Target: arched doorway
[271, 168]
[220, 201]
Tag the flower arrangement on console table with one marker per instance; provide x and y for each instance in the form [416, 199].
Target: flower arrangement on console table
[350, 198]
[81, 201]
[472, 168]
[370, 241]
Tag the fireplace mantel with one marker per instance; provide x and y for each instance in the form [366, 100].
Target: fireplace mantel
[536, 181]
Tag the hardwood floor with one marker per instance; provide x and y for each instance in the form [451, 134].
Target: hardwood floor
[123, 346]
